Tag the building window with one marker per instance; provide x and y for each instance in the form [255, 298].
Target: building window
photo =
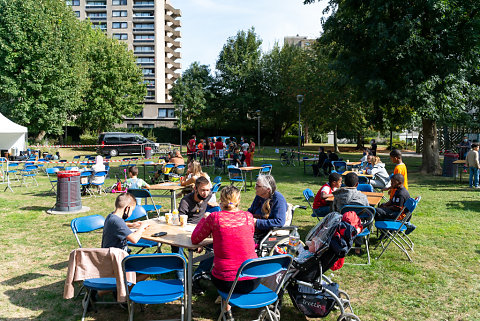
[166, 113]
[148, 71]
[149, 82]
[144, 3]
[120, 36]
[150, 93]
[133, 125]
[96, 3]
[119, 2]
[101, 26]
[77, 14]
[145, 60]
[73, 2]
[148, 126]
[146, 26]
[143, 48]
[119, 13]
[143, 14]
[144, 37]
[96, 15]
[119, 25]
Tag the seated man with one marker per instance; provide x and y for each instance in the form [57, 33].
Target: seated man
[320, 207]
[349, 195]
[116, 232]
[195, 204]
[327, 165]
[322, 157]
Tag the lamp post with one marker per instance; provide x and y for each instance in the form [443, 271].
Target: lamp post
[181, 110]
[258, 118]
[300, 100]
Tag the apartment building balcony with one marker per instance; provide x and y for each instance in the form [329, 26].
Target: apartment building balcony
[143, 4]
[174, 12]
[138, 27]
[174, 65]
[172, 73]
[143, 40]
[95, 8]
[174, 44]
[175, 33]
[169, 81]
[97, 18]
[143, 18]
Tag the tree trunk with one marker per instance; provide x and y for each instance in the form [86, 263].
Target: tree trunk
[40, 136]
[359, 141]
[335, 143]
[430, 157]
[391, 139]
[306, 132]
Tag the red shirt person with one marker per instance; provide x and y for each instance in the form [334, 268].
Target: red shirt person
[191, 149]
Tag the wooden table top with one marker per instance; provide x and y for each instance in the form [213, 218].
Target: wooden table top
[250, 168]
[176, 235]
[373, 198]
[358, 174]
[167, 186]
[460, 161]
[353, 163]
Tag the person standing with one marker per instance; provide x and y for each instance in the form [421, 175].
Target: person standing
[191, 147]
[373, 148]
[464, 147]
[473, 165]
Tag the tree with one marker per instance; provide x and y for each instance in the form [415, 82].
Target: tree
[42, 76]
[115, 83]
[194, 92]
[417, 54]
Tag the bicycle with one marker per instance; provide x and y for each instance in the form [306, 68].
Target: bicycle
[287, 158]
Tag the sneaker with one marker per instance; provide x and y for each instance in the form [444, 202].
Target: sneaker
[229, 316]
[197, 288]
[410, 228]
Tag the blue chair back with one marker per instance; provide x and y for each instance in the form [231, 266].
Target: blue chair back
[217, 179]
[411, 204]
[169, 165]
[365, 188]
[340, 166]
[51, 170]
[101, 174]
[181, 166]
[140, 193]
[86, 224]
[216, 187]
[308, 194]
[264, 266]
[158, 263]
[86, 173]
[138, 212]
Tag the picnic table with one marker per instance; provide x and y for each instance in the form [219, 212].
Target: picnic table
[373, 198]
[173, 187]
[180, 237]
[250, 169]
[314, 159]
[358, 174]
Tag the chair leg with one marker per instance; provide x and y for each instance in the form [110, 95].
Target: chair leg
[85, 303]
[131, 308]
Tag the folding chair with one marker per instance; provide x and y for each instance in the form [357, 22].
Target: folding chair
[339, 166]
[138, 213]
[157, 291]
[84, 181]
[53, 181]
[145, 195]
[216, 187]
[12, 168]
[235, 175]
[100, 185]
[217, 179]
[86, 224]
[308, 195]
[29, 172]
[262, 296]
[266, 169]
[366, 215]
[125, 162]
[394, 231]
[363, 180]
[365, 188]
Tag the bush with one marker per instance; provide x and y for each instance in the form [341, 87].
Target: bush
[289, 140]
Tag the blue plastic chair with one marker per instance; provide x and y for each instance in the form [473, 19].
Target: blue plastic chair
[366, 215]
[394, 231]
[53, 180]
[340, 166]
[101, 184]
[29, 172]
[262, 296]
[138, 213]
[217, 179]
[308, 195]
[216, 187]
[235, 175]
[86, 224]
[145, 195]
[84, 181]
[266, 169]
[13, 169]
[365, 188]
[157, 291]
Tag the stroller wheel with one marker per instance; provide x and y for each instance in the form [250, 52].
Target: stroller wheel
[348, 317]
[263, 314]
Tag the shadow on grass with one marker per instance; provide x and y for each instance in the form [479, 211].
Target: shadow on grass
[59, 266]
[470, 205]
[36, 208]
[22, 279]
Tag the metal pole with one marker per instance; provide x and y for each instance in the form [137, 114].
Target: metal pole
[299, 133]
[181, 110]
[258, 131]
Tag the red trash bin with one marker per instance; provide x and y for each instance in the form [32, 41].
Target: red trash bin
[148, 152]
[68, 191]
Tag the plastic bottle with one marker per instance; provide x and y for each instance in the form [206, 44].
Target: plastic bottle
[293, 242]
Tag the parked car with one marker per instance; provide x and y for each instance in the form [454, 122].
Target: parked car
[123, 143]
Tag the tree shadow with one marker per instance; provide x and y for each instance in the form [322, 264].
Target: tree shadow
[60, 265]
[35, 208]
[22, 279]
[466, 205]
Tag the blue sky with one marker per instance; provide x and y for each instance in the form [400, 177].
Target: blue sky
[207, 24]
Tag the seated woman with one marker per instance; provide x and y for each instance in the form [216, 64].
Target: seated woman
[98, 167]
[269, 207]
[381, 179]
[194, 171]
[232, 231]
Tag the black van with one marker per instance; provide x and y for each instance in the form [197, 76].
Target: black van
[129, 144]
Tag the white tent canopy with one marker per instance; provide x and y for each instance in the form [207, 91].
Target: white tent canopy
[12, 135]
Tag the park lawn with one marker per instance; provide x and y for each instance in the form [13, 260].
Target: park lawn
[442, 282]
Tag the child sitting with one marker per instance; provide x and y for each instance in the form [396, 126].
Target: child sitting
[390, 210]
[400, 168]
[134, 182]
[320, 207]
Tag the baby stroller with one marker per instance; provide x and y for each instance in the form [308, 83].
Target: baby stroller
[311, 292]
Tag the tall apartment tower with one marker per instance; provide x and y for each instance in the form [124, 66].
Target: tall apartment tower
[150, 29]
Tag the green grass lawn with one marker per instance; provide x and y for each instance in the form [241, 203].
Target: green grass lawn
[442, 282]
